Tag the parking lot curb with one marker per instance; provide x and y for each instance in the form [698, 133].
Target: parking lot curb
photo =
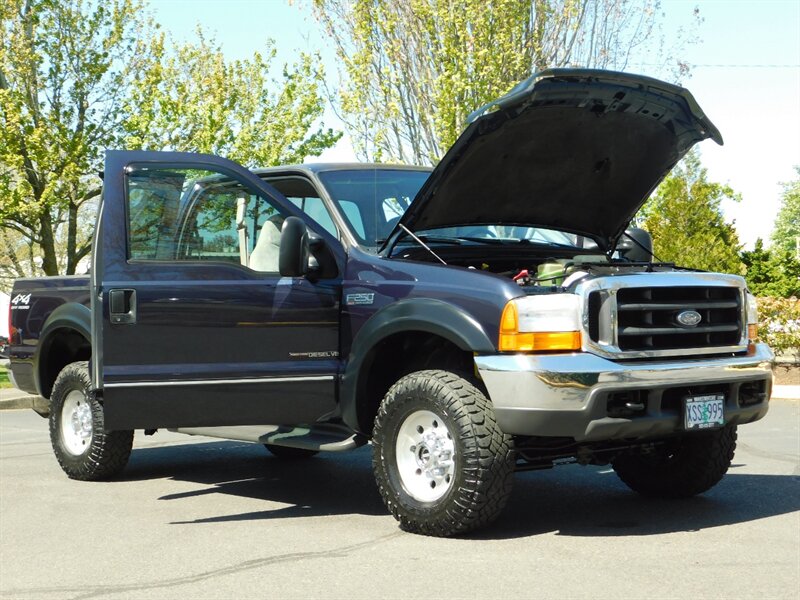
[15, 403]
[15, 400]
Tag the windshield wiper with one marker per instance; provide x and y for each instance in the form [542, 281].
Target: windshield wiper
[435, 239]
[485, 240]
[458, 240]
[549, 244]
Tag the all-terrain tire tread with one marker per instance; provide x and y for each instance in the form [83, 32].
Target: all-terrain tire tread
[488, 457]
[109, 450]
[701, 461]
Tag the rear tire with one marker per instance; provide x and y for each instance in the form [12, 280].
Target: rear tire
[442, 464]
[290, 453]
[82, 447]
[681, 468]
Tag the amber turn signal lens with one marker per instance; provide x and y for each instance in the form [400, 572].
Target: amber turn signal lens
[752, 331]
[540, 341]
[511, 339]
[509, 321]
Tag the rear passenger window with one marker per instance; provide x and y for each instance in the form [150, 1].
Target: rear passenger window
[195, 215]
[315, 208]
[300, 192]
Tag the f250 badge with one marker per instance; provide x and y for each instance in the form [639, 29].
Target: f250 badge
[20, 302]
[363, 298]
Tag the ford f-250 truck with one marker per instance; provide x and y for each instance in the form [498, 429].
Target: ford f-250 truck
[486, 317]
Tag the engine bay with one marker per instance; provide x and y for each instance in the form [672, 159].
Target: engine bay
[535, 269]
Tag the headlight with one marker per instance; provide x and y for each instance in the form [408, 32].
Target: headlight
[541, 323]
[752, 317]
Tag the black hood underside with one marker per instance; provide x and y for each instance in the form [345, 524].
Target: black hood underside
[572, 150]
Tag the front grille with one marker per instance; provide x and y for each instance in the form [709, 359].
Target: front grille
[647, 318]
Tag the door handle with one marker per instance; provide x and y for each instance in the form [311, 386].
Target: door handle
[122, 306]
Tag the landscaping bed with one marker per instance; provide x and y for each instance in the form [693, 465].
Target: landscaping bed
[786, 374]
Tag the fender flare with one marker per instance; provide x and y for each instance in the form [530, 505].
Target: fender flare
[415, 314]
[71, 315]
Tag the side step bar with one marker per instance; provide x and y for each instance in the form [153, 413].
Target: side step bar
[325, 438]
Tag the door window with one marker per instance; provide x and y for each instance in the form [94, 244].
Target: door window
[196, 215]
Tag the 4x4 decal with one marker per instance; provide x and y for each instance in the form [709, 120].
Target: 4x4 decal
[20, 302]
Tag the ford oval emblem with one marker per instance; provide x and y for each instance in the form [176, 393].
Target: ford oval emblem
[688, 318]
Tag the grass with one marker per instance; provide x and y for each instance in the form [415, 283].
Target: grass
[4, 382]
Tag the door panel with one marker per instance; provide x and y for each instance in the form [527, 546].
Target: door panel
[213, 342]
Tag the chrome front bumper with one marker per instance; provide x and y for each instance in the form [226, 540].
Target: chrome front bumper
[567, 395]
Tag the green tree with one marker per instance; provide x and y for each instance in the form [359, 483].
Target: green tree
[786, 235]
[64, 66]
[17, 258]
[80, 76]
[192, 99]
[760, 269]
[685, 219]
[415, 69]
[774, 272]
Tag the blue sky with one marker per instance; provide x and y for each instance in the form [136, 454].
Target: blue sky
[746, 78]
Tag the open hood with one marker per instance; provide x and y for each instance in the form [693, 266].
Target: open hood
[576, 150]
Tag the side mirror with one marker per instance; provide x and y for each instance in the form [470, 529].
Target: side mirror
[294, 251]
[636, 245]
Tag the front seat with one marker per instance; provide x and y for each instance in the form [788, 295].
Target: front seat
[266, 254]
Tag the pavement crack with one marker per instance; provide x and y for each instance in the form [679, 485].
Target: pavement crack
[15, 456]
[97, 591]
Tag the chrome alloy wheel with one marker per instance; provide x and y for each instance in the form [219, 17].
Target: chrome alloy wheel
[425, 454]
[76, 423]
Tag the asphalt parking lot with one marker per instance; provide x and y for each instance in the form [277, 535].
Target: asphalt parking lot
[202, 518]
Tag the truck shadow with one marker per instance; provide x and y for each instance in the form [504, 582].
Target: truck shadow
[571, 500]
[327, 484]
[592, 501]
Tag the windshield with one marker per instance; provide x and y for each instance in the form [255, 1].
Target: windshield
[504, 234]
[508, 234]
[372, 200]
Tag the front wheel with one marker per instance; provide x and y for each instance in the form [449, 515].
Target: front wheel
[682, 467]
[442, 464]
[83, 448]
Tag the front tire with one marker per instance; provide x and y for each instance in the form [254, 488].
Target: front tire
[82, 447]
[682, 467]
[442, 464]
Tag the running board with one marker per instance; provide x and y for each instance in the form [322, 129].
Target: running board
[325, 438]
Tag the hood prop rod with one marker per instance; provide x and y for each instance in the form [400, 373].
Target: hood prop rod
[421, 243]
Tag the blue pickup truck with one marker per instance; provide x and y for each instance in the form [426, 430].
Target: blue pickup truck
[487, 316]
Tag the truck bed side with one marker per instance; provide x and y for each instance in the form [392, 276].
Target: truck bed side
[32, 322]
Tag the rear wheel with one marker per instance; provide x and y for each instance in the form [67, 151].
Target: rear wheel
[82, 446]
[682, 467]
[289, 452]
[442, 464]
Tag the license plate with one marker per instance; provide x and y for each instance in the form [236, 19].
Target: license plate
[705, 412]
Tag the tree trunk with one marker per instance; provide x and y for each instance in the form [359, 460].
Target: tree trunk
[541, 8]
[72, 232]
[48, 245]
